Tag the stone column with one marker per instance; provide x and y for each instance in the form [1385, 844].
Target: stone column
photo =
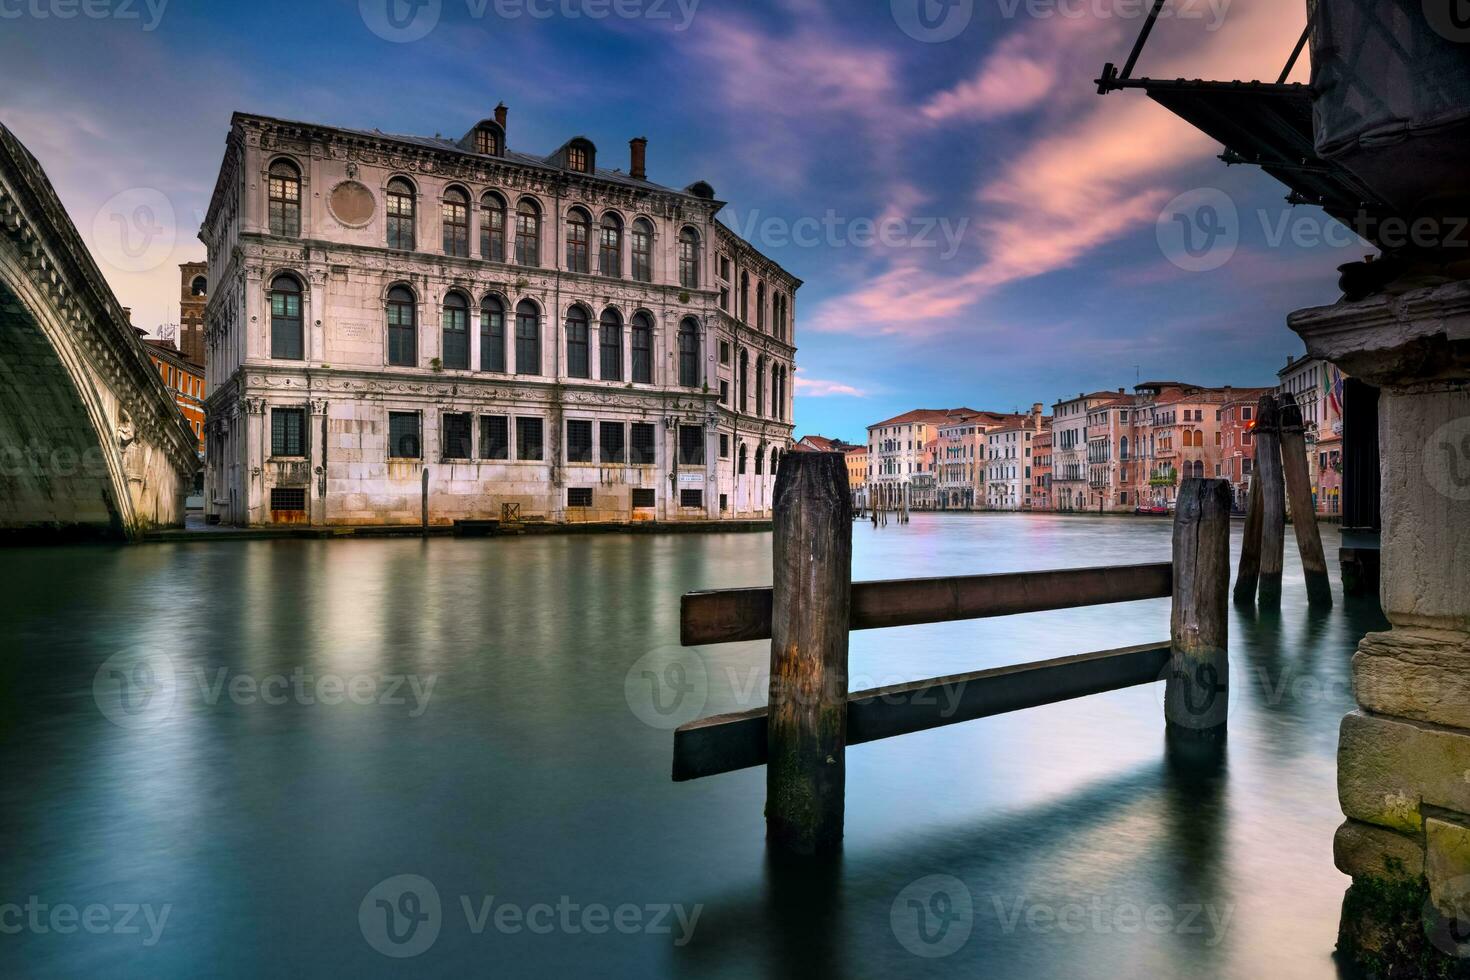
[1404, 755]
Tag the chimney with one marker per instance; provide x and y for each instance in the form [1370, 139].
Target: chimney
[639, 169]
[500, 114]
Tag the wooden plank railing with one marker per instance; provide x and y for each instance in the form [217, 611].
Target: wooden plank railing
[737, 615]
[801, 736]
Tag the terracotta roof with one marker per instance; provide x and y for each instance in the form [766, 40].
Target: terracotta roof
[926, 415]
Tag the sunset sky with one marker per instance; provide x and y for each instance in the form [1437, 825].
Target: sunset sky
[1023, 259]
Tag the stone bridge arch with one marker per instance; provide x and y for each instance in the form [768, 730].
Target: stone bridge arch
[90, 438]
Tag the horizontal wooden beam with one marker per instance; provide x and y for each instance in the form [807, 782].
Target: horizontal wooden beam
[726, 743]
[736, 615]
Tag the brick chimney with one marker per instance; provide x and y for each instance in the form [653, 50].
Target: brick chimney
[639, 169]
[501, 112]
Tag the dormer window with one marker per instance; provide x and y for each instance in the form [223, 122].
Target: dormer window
[487, 142]
[577, 158]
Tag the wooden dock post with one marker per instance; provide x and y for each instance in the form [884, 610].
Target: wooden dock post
[1197, 695]
[1273, 499]
[806, 729]
[1303, 509]
[1250, 548]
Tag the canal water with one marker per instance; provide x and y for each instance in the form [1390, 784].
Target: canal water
[236, 759]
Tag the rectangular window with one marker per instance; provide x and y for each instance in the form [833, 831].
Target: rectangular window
[494, 437]
[724, 352]
[643, 499]
[691, 445]
[456, 218]
[288, 498]
[528, 439]
[577, 159]
[492, 339]
[724, 392]
[456, 438]
[614, 442]
[579, 441]
[642, 354]
[404, 440]
[579, 496]
[642, 444]
[724, 503]
[724, 446]
[691, 498]
[288, 432]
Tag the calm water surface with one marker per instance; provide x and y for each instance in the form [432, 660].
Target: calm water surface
[528, 772]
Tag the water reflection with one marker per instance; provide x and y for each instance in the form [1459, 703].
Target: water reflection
[1086, 842]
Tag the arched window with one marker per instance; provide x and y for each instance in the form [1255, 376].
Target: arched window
[579, 234]
[689, 258]
[528, 233]
[742, 459]
[285, 199]
[760, 305]
[760, 461]
[402, 327]
[642, 349]
[760, 386]
[400, 214]
[642, 250]
[775, 459]
[456, 330]
[578, 365]
[456, 215]
[745, 381]
[611, 343]
[745, 297]
[689, 354]
[492, 335]
[199, 287]
[492, 227]
[287, 340]
[528, 338]
[1199, 469]
[610, 246]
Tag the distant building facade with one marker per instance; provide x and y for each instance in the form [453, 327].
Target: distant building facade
[1317, 387]
[542, 336]
[184, 380]
[193, 300]
[899, 452]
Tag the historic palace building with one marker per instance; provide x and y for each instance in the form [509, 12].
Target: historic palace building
[394, 320]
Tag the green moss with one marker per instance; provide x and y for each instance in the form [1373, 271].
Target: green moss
[1389, 930]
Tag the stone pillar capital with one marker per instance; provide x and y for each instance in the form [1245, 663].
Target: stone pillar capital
[1394, 341]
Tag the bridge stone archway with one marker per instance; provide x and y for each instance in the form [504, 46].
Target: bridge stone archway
[90, 439]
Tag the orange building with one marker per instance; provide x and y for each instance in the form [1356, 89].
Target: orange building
[185, 381]
[1041, 468]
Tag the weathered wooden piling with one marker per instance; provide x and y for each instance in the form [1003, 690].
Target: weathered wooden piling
[1249, 578]
[1273, 499]
[1303, 508]
[811, 600]
[1197, 696]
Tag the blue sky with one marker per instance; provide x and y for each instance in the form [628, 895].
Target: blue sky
[974, 224]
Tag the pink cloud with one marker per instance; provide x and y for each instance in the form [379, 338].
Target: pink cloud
[1103, 171]
[1025, 71]
[819, 388]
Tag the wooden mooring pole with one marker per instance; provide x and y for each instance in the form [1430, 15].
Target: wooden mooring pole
[1197, 695]
[1250, 547]
[1303, 508]
[1273, 499]
[811, 601]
